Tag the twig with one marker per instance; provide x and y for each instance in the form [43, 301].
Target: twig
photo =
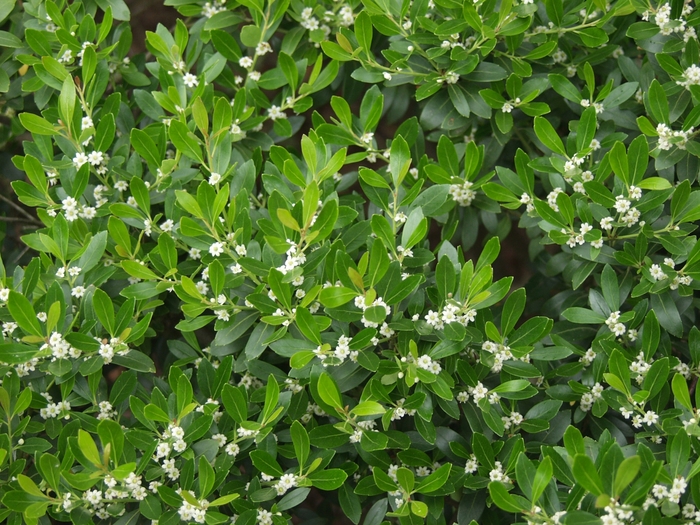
[17, 207]
[17, 259]
[20, 219]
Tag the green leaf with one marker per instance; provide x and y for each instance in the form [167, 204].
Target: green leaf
[23, 313]
[654, 183]
[548, 136]
[435, 480]
[272, 394]
[328, 391]
[104, 309]
[368, 408]
[503, 499]
[542, 478]
[625, 474]
[185, 141]
[37, 125]
[89, 448]
[300, 440]
[235, 403]
[666, 312]
[330, 479]
[680, 391]
[658, 102]
[335, 296]
[363, 31]
[586, 474]
[512, 310]
[144, 146]
[265, 463]
[582, 316]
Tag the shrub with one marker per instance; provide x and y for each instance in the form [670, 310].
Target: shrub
[261, 285]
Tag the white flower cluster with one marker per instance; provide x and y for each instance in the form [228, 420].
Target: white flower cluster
[400, 412]
[362, 305]
[571, 167]
[527, 200]
[285, 483]
[72, 210]
[54, 410]
[691, 76]
[109, 349]
[293, 385]
[106, 410]
[501, 353]
[311, 410]
[451, 313]
[174, 436]
[578, 238]
[362, 427]
[640, 367]
[513, 420]
[478, 392]
[341, 352]
[649, 418]
[60, 348]
[589, 398]
[426, 363]
[588, 357]
[668, 25]
[673, 494]
[295, 258]
[342, 349]
[308, 20]
[189, 512]
[462, 194]
[668, 137]
[552, 198]
[212, 8]
[616, 514]
[472, 465]
[613, 322]
[599, 108]
[250, 382]
[497, 474]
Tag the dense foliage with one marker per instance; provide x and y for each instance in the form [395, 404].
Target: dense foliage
[262, 289]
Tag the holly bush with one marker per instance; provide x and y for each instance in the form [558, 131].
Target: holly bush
[260, 283]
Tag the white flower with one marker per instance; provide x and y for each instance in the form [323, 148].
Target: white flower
[216, 249]
[214, 178]
[190, 80]
[95, 158]
[650, 418]
[451, 77]
[657, 273]
[606, 223]
[80, 159]
[78, 291]
[263, 48]
[245, 62]
[275, 112]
